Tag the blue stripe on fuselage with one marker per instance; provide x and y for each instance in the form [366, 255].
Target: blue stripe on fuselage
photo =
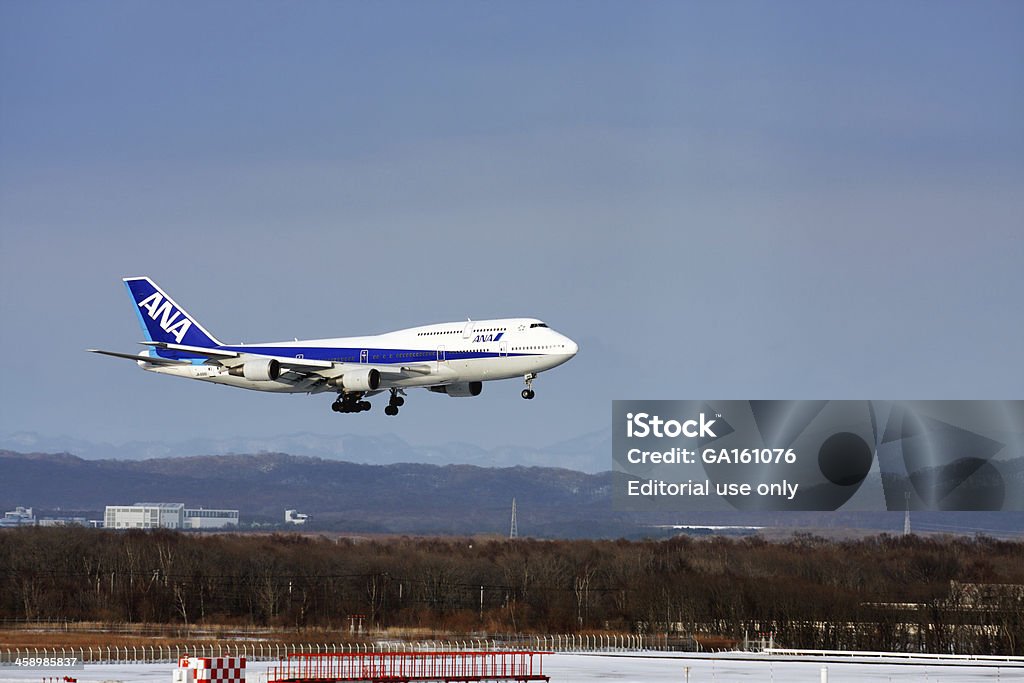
[378, 356]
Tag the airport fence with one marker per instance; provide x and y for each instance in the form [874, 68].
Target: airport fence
[139, 654]
[277, 651]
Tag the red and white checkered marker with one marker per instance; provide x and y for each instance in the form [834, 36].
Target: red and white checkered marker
[210, 670]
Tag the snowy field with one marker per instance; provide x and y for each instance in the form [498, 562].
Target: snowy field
[658, 667]
[653, 667]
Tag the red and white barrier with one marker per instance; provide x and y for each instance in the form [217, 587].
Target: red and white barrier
[210, 670]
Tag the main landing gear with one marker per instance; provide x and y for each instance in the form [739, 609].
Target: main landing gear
[354, 403]
[350, 403]
[394, 403]
[528, 391]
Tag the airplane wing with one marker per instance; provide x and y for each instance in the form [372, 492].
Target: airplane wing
[297, 369]
[197, 350]
[230, 359]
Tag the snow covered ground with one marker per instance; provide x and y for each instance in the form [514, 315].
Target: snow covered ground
[653, 667]
[726, 667]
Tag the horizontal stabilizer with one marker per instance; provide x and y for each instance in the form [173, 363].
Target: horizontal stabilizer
[155, 360]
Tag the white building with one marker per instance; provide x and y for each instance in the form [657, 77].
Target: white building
[167, 516]
[295, 517]
[145, 516]
[19, 516]
[210, 519]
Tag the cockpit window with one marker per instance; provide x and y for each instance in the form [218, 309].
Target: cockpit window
[532, 325]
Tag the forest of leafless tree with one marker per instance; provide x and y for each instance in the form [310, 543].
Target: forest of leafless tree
[881, 593]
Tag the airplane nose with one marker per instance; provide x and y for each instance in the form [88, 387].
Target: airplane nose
[571, 347]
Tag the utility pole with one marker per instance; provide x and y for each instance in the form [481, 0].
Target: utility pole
[906, 517]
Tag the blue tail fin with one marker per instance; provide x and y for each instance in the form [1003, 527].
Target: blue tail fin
[162, 319]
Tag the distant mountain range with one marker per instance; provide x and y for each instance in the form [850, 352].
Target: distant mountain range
[396, 498]
[588, 453]
[405, 498]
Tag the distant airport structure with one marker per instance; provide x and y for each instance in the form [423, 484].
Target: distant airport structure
[23, 516]
[167, 516]
[19, 516]
[295, 517]
[64, 521]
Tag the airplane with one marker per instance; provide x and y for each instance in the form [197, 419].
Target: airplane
[450, 358]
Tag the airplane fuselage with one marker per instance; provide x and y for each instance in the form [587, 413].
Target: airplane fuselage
[458, 352]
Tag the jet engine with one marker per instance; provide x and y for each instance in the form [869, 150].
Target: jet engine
[364, 379]
[460, 389]
[259, 370]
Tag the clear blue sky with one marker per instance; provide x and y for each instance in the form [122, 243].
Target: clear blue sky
[717, 200]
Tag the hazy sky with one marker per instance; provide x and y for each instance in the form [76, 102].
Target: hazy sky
[716, 200]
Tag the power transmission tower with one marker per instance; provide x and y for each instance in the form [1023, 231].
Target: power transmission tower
[514, 531]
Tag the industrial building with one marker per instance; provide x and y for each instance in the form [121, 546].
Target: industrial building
[166, 516]
[19, 516]
[63, 521]
[144, 516]
[210, 519]
[23, 516]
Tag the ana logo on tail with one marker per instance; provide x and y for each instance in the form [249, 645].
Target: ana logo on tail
[170, 320]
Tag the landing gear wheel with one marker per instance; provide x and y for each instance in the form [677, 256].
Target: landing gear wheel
[528, 391]
[394, 403]
[350, 403]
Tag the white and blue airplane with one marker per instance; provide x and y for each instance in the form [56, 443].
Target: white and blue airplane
[449, 358]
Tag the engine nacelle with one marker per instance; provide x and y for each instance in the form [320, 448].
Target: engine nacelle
[460, 389]
[259, 370]
[364, 379]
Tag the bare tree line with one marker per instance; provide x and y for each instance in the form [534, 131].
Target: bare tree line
[883, 593]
